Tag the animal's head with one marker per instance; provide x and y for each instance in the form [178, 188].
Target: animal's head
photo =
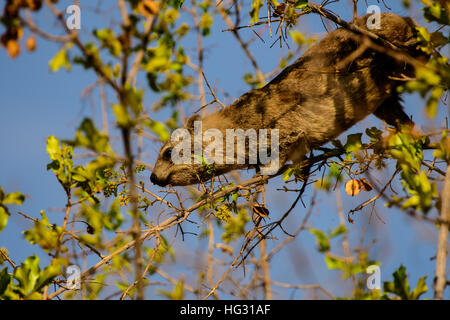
[185, 170]
[401, 31]
[201, 150]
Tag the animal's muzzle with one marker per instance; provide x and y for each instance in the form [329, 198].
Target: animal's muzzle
[154, 179]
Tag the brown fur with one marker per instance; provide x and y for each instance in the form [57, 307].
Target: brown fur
[310, 101]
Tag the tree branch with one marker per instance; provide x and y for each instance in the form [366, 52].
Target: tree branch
[441, 255]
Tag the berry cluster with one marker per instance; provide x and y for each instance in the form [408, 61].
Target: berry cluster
[14, 30]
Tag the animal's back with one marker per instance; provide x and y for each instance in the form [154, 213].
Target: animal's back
[313, 100]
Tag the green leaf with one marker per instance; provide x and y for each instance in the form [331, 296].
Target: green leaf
[429, 76]
[206, 22]
[443, 152]
[47, 275]
[94, 287]
[353, 143]
[400, 285]
[108, 40]
[134, 99]
[122, 115]
[43, 233]
[420, 289]
[175, 3]
[433, 101]
[54, 165]
[338, 231]
[322, 240]
[124, 286]
[113, 219]
[438, 39]
[159, 129]
[300, 4]
[413, 201]
[78, 178]
[88, 136]
[5, 280]
[334, 263]
[152, 78]
[374, 133]
[235, 225]
[28, 274]
[59, 60]
[177, 293]
[300, 39]
[287, 174]
[89, 239]
[53, 149]
[335, 172]
[254, 12]
[436, 12]
[14, 198]
[3, 217]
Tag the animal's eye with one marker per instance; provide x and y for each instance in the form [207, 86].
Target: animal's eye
[167, 154]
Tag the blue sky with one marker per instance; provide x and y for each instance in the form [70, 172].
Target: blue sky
[35, 103]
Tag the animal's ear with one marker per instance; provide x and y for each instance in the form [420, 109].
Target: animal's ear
[190, 122]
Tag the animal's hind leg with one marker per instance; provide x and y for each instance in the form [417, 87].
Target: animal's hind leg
[391, 111]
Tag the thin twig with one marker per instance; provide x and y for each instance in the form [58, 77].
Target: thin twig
[212, 92]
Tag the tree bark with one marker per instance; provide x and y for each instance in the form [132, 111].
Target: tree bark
[441, 255]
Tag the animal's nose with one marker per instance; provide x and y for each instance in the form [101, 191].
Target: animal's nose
[153, 178]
